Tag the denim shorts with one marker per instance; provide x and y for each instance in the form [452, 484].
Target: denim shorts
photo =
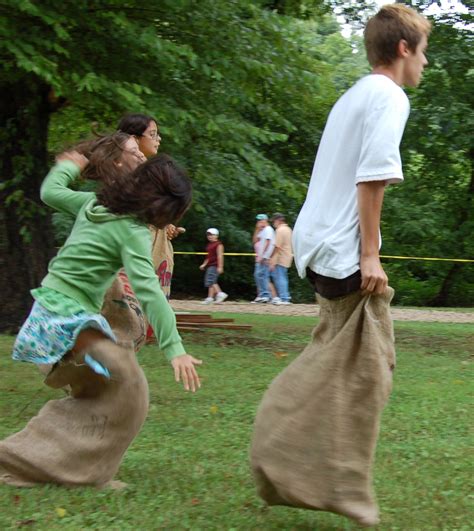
[211, 276]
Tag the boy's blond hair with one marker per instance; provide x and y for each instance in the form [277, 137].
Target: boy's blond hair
[393, 23]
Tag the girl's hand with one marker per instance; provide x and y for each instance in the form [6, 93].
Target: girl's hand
[173, 232]
[77, 158]
[184, 370]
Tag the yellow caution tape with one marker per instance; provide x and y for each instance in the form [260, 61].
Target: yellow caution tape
[425, 258]
[465, 260]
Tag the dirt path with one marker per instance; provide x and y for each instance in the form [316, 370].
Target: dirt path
[399, 314]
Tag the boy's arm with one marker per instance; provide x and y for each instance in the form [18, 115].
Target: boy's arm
[370, 199]
[55, 191]
[204, 264]
[220, 259]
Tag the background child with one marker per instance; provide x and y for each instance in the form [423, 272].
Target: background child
[214, 266]
[144, 128]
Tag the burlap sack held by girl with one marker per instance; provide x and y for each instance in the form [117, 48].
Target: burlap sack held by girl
[81, 439]
[317, 426]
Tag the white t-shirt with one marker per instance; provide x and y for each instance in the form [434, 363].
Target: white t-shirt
[361, 142]
[267, 233]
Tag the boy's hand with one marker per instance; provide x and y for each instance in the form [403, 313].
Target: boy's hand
[220, 270]
[184, 371]
[374, 279]
[77, 158]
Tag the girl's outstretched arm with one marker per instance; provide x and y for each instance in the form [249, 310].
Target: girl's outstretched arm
[55, 191]
[138, 264]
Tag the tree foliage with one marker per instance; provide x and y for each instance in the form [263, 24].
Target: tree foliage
[242, 90]
[431, 214]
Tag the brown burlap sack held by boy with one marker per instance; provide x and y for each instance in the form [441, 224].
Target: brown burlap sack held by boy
[81, 440]
[317, 426]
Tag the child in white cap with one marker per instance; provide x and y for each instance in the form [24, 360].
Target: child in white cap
[214, 266]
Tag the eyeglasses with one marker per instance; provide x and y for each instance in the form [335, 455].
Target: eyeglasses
[153, 136]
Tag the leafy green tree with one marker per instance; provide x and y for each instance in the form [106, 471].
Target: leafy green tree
[51, 53]
[225, 99]
[431, 214]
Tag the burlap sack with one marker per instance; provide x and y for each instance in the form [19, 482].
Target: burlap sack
[317, 426]
[81, 440]
[162, 253]
[124, 313]
[121, 307]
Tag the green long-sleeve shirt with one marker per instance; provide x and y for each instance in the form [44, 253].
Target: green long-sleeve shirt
[99, 244]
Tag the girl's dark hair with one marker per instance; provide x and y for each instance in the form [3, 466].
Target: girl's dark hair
[135, 124]
[104, 153]
[158, 192]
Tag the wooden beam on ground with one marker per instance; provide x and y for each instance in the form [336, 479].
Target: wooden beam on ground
[187, 321]
[222, 326]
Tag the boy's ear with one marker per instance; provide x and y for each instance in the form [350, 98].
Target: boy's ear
[402, 49]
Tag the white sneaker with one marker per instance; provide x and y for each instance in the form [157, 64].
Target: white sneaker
[263, 300]
[207, 300]
[221, 297]
[276, 300]
[257, 299]
[282, 303]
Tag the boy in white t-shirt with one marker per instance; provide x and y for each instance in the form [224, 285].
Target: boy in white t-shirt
[336, 237]
[316, 428]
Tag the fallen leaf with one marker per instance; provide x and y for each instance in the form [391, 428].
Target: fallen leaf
[60, 512]
[195, 501]
[16, 499]
[280, 354]
[213, 410]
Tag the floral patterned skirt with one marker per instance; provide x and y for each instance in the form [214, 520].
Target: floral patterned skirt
[46, 337]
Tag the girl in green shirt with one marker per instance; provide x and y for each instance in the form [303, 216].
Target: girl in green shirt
[110, 232]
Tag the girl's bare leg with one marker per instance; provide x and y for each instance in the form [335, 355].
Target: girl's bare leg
[61, 374]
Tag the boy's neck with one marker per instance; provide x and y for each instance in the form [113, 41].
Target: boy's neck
[393, 72]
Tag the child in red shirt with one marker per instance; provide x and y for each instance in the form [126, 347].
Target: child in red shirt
[214, 266]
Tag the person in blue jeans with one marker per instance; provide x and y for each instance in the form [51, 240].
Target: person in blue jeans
[281, 259]
[264, 242]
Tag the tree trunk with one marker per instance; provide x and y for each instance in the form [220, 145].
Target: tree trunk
[465, 212]
[441, 298]
[26, 240]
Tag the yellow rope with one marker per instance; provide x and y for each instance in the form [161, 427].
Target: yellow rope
[463, 260]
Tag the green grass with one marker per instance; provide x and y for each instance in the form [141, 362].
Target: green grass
[467, 309]
[188, 469]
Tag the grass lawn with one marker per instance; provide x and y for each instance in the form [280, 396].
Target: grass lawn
[188, 469]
